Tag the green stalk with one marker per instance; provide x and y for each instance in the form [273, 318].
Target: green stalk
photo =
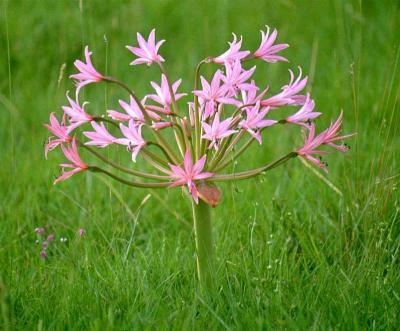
[204, 243]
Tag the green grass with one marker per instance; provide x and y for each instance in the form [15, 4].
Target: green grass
[292, 253]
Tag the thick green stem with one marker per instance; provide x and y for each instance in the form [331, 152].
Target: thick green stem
[204, 243]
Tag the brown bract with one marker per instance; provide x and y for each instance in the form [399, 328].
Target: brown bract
[209, 193]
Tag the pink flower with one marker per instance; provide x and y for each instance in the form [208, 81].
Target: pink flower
[267, 51]
[289, 95]
[255, 121]
[163, 96]
[45, 244]
[76, 112]
[77, 165]
[332, 135]
[311, 143]
[189, 173]
[39, 231]
[43, 254]
[133, 138]
[249, 95]
[50, 237]
[81, 232]
[233, 53]
[60, 131]
[213, 94]
[147, 52]
[101, 137]
[132, 111]
[217, 130]
[236, 77]
[87, 73]
[161, 125]
[305, 114]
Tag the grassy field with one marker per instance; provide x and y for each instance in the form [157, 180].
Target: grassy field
[294, 251]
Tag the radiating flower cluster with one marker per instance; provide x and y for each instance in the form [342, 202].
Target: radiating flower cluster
[227, 113]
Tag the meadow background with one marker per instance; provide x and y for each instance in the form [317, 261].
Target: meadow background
[294, 251]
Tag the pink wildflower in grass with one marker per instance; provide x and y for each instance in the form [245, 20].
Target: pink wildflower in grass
[332, 135]
[77, 165]
[217, 130]
[60, 131]
[39, 231]
[233, 53]
[305, 114]
[213, 94]
[255, 121]
[189, 174]
[289, 94]
[267, 50]
[147, 52]
[132, 111]
[43, 254]
[81, 232]
[100, 137]
[236, 77]
[311, 143]
[50, 237]
[87, 73]
[163, 95]
[76, 113]
[133, 138]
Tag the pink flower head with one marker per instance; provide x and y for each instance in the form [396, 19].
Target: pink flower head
[60, 131]
[189, 173]
[77, 165]
[43, 254]
[305, 114]
[132, 111]
[213, 94]
[147, 52]
[100, 137]
[236, 77]
[217, 131]
[50, 237]
[332, 135]
[311, 143]
[81, 232]
[255, 121]
[163, 96]
[267, 50]
[133, 138]
[76, 112]
[289, 94]
[39, 231]
[87, 73]
[233, 53]
[249, 95]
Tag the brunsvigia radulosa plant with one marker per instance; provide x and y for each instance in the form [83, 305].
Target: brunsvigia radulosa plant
[226, 115]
